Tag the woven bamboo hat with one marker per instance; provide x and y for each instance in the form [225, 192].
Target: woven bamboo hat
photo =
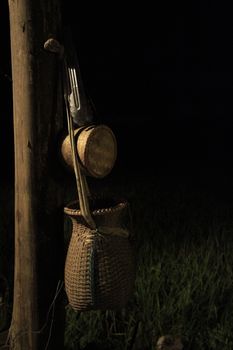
[97, 150]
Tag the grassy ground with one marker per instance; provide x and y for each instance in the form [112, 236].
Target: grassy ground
[183, 225]
[184, 285]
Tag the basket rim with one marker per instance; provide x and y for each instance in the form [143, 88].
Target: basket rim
[122, 203]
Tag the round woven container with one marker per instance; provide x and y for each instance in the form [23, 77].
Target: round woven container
[100, 265]
[97, 150]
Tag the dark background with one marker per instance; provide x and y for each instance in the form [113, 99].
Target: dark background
[161, 77]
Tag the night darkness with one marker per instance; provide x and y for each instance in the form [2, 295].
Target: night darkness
[162, 79]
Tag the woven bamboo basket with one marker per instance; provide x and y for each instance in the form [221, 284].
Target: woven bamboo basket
[100, 264]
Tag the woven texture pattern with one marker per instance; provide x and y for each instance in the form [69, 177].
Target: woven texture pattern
[100, 267]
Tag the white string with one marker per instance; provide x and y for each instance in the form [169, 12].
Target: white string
[51, 307]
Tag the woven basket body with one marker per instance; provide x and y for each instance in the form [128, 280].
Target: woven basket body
[100, 266]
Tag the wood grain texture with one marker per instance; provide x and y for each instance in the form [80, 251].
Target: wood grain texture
[38, 193]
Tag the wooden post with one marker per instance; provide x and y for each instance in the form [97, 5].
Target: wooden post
[38, 314]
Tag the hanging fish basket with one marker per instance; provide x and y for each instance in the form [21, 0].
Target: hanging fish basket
[100, 263]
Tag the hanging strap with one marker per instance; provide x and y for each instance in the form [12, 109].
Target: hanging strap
[80, 177]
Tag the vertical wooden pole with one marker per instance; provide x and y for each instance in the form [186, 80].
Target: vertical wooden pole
[38, 189]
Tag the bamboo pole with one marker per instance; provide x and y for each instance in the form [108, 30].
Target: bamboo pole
[36, 321]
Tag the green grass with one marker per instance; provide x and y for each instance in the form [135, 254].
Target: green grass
[184, 281]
